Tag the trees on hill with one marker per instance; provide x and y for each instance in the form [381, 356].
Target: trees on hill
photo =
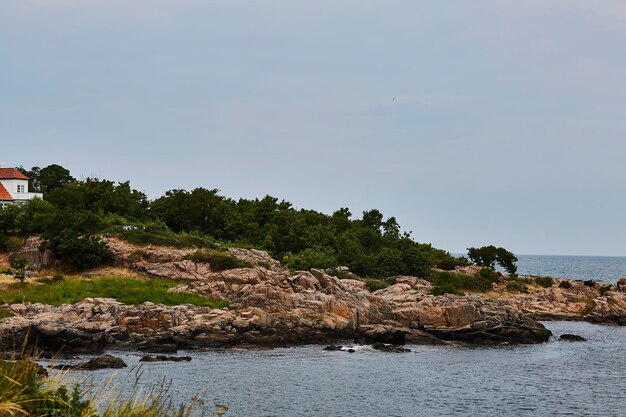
[75, 212]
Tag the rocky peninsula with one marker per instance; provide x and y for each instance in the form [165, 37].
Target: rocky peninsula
[271, 306]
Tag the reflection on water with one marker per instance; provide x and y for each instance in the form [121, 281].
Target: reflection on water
[555, 378]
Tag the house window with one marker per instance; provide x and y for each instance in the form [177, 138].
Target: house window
[21, 189]
[3, 206]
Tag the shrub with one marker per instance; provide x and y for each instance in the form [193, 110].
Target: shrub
[309, 258]
[589, 283]
[565, 284]
[375, 284]
[217, 260]
[145, 236]
[545, 282]
[340, 273]
[446, 288]
[451, 283]
[19, 266]
[448, 262]
[605, 289]
[516, 285]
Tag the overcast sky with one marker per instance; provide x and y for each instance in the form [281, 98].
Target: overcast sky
[473, 122]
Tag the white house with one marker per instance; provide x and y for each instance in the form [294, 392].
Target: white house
[14, 187]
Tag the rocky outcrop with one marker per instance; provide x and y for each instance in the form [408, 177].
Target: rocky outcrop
[35, 253]
[271, 306]
[101, 362]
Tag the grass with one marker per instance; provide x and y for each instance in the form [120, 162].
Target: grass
[25, 392]
[451, 283]
[217, 260]
[131, 291]
[4, 314]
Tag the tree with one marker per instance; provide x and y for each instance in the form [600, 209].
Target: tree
[51, 177]
[490, 255]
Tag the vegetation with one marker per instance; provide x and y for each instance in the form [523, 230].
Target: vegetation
[19, 268]
[24, 392]
[75, 213]
[219, 260]
[565, 284]
[4, 314]
[490, 255]
[375, 284]
[545, 282]
[516, 285]
[453, 283]
[605, 289]
[132, 291]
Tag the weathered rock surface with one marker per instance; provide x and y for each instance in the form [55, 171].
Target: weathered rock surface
[160, 358]
[271, 306]
[102, 362]
[34, 253]
[572, 338]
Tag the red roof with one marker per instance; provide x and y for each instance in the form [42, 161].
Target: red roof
[4, 194]
[11, 174]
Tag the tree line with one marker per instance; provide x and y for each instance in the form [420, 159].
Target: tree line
[75, 213]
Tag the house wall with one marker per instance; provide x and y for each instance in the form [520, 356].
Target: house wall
[11, 186]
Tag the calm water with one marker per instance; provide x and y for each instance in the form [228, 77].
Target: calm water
[603, 268]
[556, 378]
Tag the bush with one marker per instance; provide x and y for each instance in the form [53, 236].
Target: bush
[565, 284]
[545, 282]
[590, 283]
[375, 284]
[339, 273]
[451, 283]
[605, 289]
[309, 258]
[154, 235]
[446, 288]
[448, 262]
[217, 260]
[19, 266]
[81, 252]
[516, 285]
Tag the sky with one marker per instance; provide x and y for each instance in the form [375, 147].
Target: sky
[473, 122]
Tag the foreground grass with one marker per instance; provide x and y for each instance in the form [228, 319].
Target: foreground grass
[132, 291]
[25, 392]
[4, 314]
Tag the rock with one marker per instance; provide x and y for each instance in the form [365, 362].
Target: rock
[572, 338]
[384, 334]
[149, 358]
[389, 348]
[333, 348]
[102, 362]
[351, 351]
[155, 347]
[34, 253]
[528, 332]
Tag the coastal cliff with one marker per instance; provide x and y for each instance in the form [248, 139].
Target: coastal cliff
[271, 306]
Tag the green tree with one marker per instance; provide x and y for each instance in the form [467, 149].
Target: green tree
[19, 265]
[50, 178]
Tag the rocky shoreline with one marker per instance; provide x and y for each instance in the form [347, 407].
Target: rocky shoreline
[269, 306]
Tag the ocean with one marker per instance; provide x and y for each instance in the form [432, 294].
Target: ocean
[556, 378]
[603, 268]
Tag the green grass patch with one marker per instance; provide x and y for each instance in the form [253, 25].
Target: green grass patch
[4, 314]
[218, 260]
[375, 284]
[131, 291]
[451, 283]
